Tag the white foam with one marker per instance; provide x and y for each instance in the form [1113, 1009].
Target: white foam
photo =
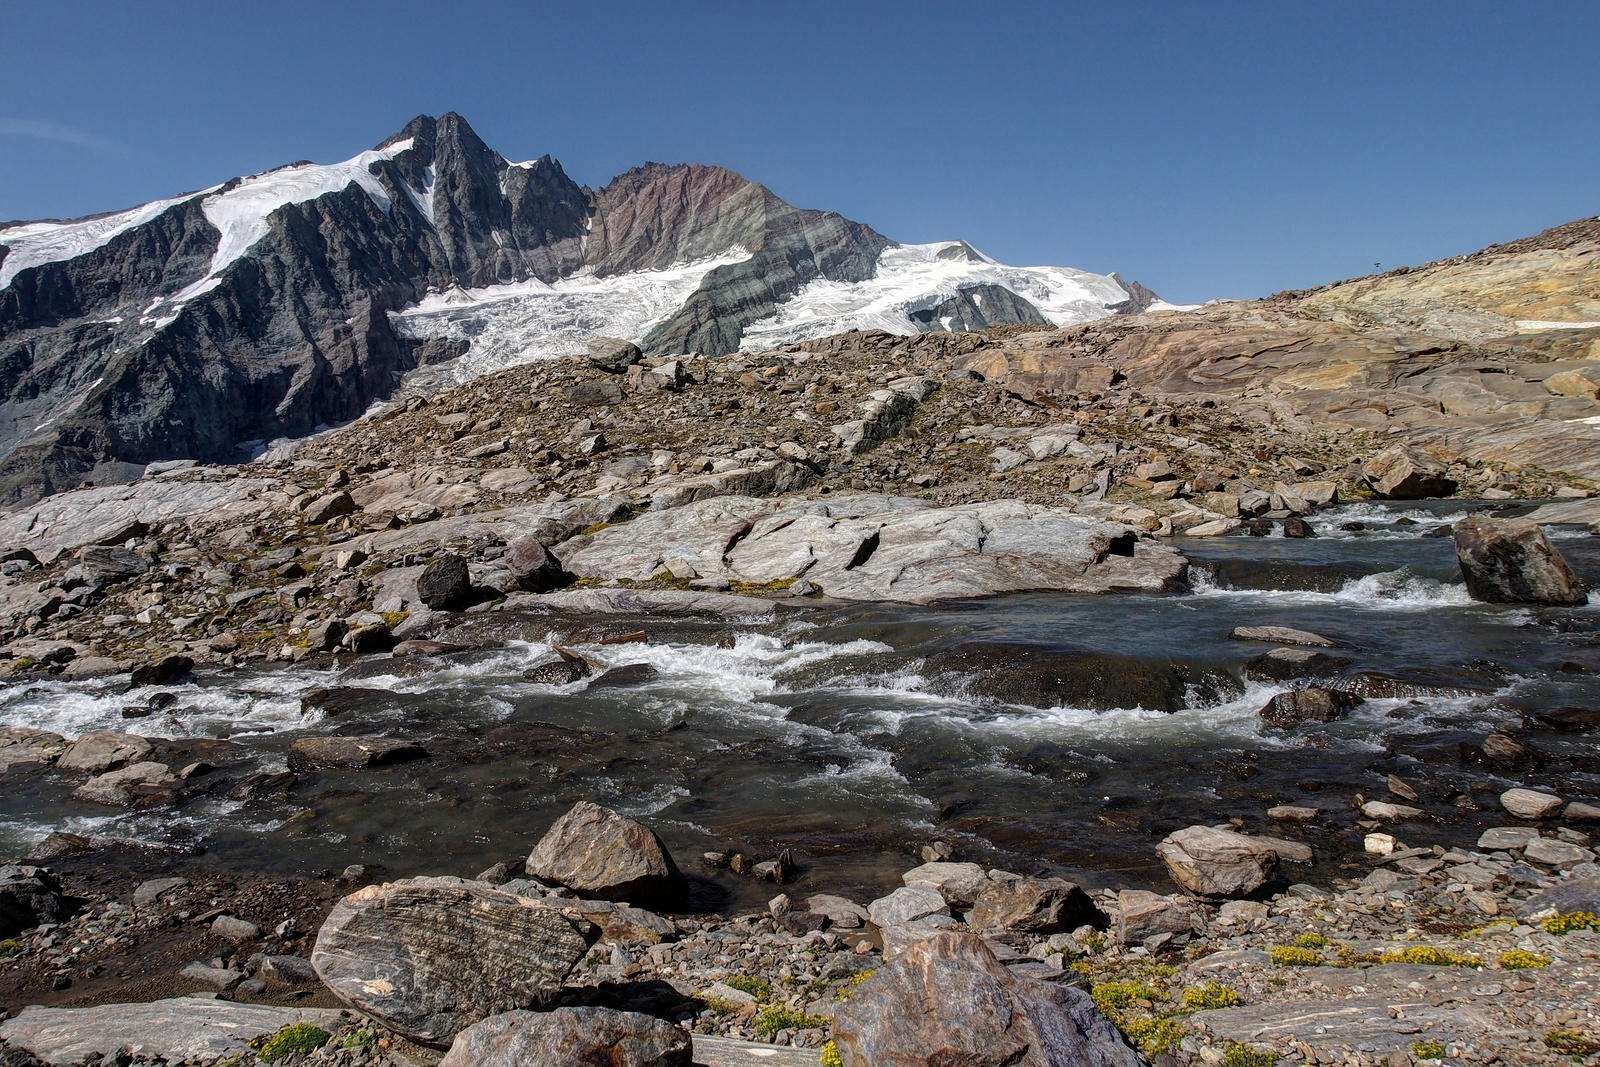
[522, 322]
[1400, 590]
[913, 278]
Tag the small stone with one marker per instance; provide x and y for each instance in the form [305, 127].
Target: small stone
[1530, 803]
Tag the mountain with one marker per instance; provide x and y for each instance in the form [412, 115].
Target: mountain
[279, 302]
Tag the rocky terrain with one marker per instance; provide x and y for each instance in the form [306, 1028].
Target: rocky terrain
[266, 307]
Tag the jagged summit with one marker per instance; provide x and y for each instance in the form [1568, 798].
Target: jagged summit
[278, 302]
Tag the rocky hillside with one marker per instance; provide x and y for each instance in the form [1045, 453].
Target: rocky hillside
[265, 307]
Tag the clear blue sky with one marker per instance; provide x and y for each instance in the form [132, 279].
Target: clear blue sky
[1204, 149]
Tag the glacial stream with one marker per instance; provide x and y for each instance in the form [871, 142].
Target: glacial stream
[834, 731]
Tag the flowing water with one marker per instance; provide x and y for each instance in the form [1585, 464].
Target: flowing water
[853, 734]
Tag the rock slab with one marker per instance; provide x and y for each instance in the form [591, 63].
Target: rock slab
[182, 1028]
[1509, 561]
[431, 956]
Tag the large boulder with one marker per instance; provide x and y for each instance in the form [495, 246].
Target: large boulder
[163, 671]
[532, 568]
[1314, 704]
[946, 1001]
[1209, 862]
[29, 897]
[613, 354]
[429, 957]
[102, 750]
[445, 584]
[569, 1036]
[1508, 561]
[596, 852]
[1401, 474]
[1033, 905]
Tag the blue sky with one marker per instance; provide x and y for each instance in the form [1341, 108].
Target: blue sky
[1206, 150]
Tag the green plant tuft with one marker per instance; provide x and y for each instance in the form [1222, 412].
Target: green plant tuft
[1518, 960]
[1570, 921]
[1293, 956]
[1427, 1050]
[1311, 941]
[759, 988]
[1239, 1055]
[1211, 995]
[297, 1037]
[771, 1020]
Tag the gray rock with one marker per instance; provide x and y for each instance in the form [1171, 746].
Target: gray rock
[1553, 853]
[20, 746]
[1315, 704]
[234, 929]
[1032, 905]
[431, 956]
[103, 750]
[907, 905]
[176, 1030]
[289, 970]
[1401, 474]
[153, 890]
[29, 896]
[596, 852]
[1573, 894]
[1142, 915]
[1218, 863]
[308, 752]
[1280, 635]
[1509, 561]
[136, 785]
[532, 567]
[569, 1036]
[594, 394]
[327, 508]
[445, 584]
[1507, 838]
[958, 883]
[986, 1016]
[1530, 803]
[613, 355]
[221, 979]
[842, 913]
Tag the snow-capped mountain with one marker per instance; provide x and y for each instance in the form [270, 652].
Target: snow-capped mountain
[275, 303]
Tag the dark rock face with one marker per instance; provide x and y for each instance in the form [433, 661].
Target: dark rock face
[445, 584]
[1308, 705]
[29, 896]
[596, 852]
[984, 1017]
[295, 333]
[431, 956]
[978, 307]
[570, 1036]
[163, 671]
[1509, 561]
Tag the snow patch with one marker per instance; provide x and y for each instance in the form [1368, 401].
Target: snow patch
[915, 278]
[520, 322]
[35, 243]
[422, 199]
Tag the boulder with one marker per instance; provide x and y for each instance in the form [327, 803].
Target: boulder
[309, 752]
[1032, 905]
[103, 750]
[1209, 862]
[596, 852]
[958, 883]
[327, 508]
[908, 905]
[1284, 664]
[532, 568]
[568, 1036]
[1308, 705]
[1530, 803]
[1044, 678]
[445, 584]
[429, 957]
[1280, 635]
[136, 785]
[1509, 561]
[1142, 915]
[20, 746]
[29, 897]
[984, 1015]
[613, 355]
[1401, 474]
[163, 671]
